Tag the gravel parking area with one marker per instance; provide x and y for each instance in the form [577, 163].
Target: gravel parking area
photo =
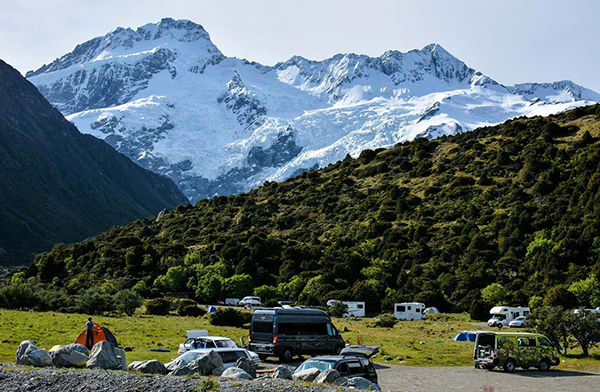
[466, 379]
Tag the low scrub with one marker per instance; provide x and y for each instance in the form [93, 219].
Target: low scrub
[386, 321]
[158, 306]
[229, 317]
[188, 307]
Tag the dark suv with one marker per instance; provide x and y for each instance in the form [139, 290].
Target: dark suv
[353, 361]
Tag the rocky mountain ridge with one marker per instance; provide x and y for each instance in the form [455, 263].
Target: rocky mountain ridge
[166, 96]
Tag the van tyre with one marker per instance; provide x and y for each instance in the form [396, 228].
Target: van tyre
[544, 365]
[287, 355]
[509, 365]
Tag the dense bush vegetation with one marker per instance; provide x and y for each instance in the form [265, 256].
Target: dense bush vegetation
[229, 317]
[513, 210]
[158, 306]
[189, 307]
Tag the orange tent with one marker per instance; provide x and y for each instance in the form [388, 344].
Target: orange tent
[100, 333]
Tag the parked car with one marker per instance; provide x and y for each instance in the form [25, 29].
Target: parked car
[353, 361]
[514, 349]
[285, 303]
[286, 332]
[208, 342]
[228, 355]
[250, 302]
[518, 322]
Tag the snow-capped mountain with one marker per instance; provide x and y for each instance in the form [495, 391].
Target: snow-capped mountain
[165, 96]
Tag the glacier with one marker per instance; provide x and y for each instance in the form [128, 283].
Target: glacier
[165, 96]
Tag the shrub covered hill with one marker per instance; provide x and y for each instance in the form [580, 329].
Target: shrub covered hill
[516, 205]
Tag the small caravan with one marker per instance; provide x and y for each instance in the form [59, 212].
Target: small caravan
[409, 311]
[502, 315]
[355, 308]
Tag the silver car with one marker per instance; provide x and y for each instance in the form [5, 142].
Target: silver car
[228, 355]
[518, 322]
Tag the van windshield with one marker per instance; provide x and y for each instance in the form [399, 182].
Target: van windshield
[499, 317]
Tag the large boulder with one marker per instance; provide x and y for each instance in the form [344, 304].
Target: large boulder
[40, 358]
[283, 371]
[306, 375]
[203, 365]
[246, 365]
[71, 355]
[120, 353]
[328, 376]
[150, 367]
[361, 383]
[218, 371]
[236, 373]
[103, 356]
[174, 364]
[24, 351]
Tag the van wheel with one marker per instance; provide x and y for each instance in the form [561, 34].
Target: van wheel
[544, 365]
[509, 365]
[263, 357]
[287, 355]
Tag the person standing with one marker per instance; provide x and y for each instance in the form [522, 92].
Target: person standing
[89, 333]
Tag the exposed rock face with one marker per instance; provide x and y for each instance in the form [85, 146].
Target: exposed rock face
[179, 107]
[103, 356]
[203, 365]
[120, 353]
[246, 365]
[236, 373]
[306, 375]
[40, 358]
[328, 376]
[24, 351]
[71, 355]
[151, 367]
[361, 383]
[283, 371]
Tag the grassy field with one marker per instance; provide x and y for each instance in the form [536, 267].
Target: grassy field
[401, 344]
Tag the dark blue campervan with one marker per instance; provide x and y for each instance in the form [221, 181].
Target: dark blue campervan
[284, 333]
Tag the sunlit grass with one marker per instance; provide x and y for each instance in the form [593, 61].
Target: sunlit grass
[401, 344]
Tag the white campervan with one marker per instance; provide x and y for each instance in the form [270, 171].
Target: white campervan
[409, 311]
[502, 315]
[355, 308]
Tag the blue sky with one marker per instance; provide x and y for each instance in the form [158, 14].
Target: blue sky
[510, 41]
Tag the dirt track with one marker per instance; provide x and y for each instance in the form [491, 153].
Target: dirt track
[421, 379]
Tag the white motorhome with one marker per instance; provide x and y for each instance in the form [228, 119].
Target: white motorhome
[409, 311]
[502, 315]
[232, 301]
[355, 308]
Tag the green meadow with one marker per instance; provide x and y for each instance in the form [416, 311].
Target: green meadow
[400, 345]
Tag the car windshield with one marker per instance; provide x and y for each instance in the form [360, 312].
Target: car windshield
[188, 357]
[315, 364]
[520, 318]
[226, 343]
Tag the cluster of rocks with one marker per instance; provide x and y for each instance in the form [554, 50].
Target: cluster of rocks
[331, 376]
[104, 355]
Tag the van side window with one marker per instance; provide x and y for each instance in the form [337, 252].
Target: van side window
[302, 329]
[544, 342]
[359, 306]
[400, 308]
[526, 342]
[408, 307]
[330, 330]
[418, 310]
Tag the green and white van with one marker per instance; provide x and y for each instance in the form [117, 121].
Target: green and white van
[514, 349]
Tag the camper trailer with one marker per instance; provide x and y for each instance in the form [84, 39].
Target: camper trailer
[409, 311]
[502, 315]
[355, 308]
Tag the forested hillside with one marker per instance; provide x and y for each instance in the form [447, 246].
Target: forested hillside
[431, 220]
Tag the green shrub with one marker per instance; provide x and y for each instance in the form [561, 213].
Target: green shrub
[188, 307]
[94, 301]
[229, 317]
[386, 321]
[127, 301]
[158, 306]
[338, 309]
